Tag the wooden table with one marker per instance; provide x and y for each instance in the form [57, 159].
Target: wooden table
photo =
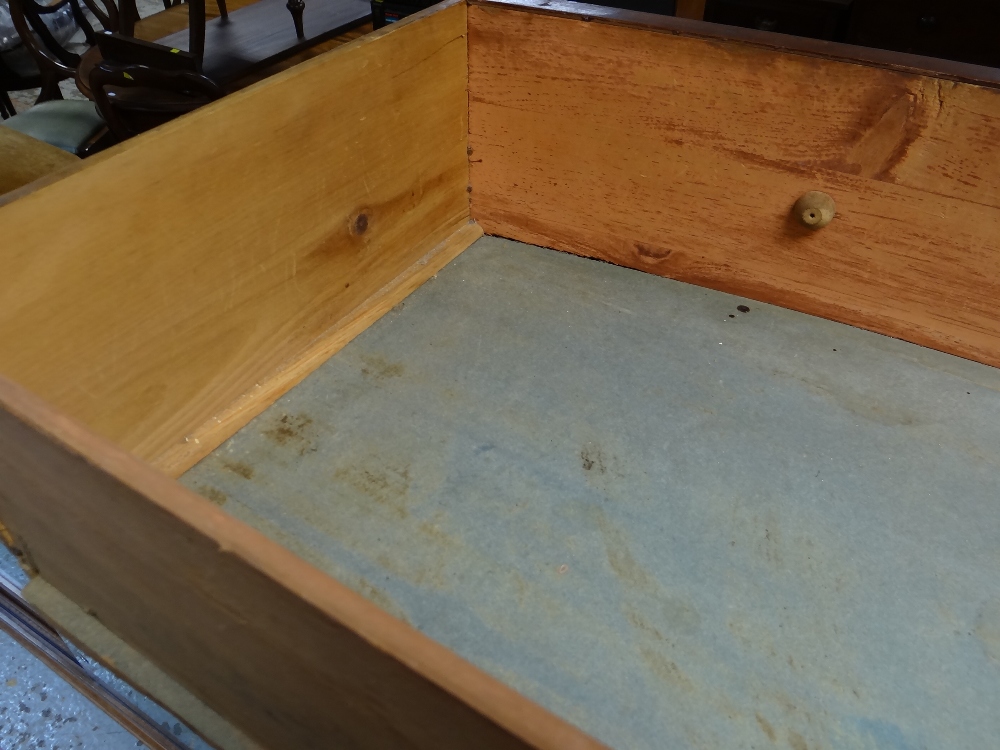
[254, 38]
[261, 34]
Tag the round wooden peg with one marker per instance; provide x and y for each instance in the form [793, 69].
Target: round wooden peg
[815, 209]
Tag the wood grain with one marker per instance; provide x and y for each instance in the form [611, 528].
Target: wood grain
[209, 436]
[285, 653]
[195, 260]
[683, 156]
[24, 159]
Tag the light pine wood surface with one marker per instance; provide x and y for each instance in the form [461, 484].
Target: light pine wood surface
[24, 159]
[192, 262]
[684, 156]
[207, 437]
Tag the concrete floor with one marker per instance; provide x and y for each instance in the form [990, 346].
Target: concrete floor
[674, 523]
[38, 709]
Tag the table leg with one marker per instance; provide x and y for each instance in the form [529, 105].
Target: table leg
[296, 7]
[196, 30]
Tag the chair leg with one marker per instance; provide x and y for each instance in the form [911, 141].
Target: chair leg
[50, 90]
[6, 106]
[222, 9]
[128, 14]
[296, 8]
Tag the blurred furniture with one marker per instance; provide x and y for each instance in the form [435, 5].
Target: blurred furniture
[389, 12]
[165, 82]
[20, 68]
[8, 82]
[146, 86]
[963, 30]
[71, 125]
[24, 159]
[259, 35]
[174, 20]
[307, 54]
[253, 38]
[245, 37]
[137, 86]
[120, 17]
[55, 60]
[819, 19]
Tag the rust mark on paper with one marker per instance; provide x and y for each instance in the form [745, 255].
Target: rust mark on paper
[291, 429]
[214, 495]
[378, 368]
[239, 468]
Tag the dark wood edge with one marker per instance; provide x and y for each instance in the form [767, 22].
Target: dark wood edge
[980, 75]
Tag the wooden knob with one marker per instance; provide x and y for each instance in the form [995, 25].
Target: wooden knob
[815, 209]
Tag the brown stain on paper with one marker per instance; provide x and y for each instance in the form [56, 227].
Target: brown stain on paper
[214, 495]
[378, 368]
[766, 727]
[239, 468]
[292, 430]
[388, 487]
[987, 629]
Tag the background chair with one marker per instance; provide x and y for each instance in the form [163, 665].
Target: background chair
[133, 98]
[19, 69]
[119, 17]
[74, 126]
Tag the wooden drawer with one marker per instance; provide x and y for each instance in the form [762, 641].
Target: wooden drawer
[962, 30]
[747, 496]
[818, 19]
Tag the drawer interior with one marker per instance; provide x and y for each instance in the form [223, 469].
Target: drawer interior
[411, 497]
[623, 496]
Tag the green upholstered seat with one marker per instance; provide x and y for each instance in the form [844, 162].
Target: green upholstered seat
[66, 124]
